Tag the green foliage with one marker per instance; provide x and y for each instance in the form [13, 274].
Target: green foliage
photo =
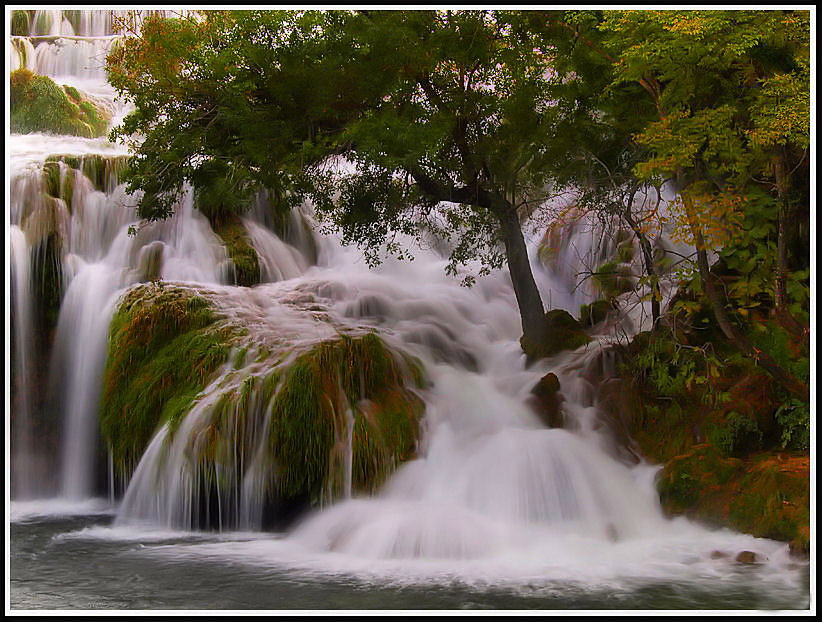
[447, 106]
[740, 435]
[794, 417]
[39, 105]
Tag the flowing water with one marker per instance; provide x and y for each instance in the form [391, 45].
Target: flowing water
[497, 511]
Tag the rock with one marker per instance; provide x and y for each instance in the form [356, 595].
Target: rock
[546, 401]
[563, 332]
[718, 555]
[594, 313]
[245, 263]
[747, 557]
[38, 104]
[617, 403]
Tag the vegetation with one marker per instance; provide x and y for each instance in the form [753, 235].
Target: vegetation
[356, 377]
[103, 171]
[40, 105]
[165, 343]
[244, 260]
[461, 124]
[450, 108]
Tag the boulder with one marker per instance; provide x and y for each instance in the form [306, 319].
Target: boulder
[546, 401]
[563, 332]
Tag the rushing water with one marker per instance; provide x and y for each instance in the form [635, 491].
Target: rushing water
[496, 512]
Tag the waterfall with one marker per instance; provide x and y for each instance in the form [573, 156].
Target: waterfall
[24, 474]
[487, 481]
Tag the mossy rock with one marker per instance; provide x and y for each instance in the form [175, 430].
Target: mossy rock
[562, 332]
[168, 344]
[103, 171]
[692, 484]
[20, 23]
[357, 377]
[47, 278]
[38, 104]
[766, 496]
[244, 258]
[612, 279]
[165, 342]
[546, 401]
[596, 312]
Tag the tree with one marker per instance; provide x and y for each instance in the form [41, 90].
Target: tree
[445, 118]
[731, 90]
[717, 104]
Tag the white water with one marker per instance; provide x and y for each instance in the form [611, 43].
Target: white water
[493, 496]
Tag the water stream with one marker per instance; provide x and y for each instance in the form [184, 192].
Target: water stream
[496, 511]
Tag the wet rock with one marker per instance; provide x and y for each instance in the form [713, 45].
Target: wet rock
[747, 557]
[718, 555]
[596, 312]
[546, 401]
[563, 333]
[617, 402]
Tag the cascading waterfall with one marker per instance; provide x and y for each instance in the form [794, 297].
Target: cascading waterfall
[492, 490]
[97, 255]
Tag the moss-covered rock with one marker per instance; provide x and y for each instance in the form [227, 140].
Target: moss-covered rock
[38, 104]
[716, 431]
[103, 171]
[563, 332]
[546, 401]
[766, 495]
[21, 23]
[596, 312]
[353, 381]
[165, 342]
[324, 418]
[245, 263]
[612, 279]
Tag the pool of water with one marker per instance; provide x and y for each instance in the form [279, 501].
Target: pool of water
[81, 562]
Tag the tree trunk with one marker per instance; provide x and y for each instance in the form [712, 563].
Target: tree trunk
[648, 258]
[531, 311]
[783, 313]
[791, 383]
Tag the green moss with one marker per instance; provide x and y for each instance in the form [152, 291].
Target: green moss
[692, 483]
[612, 279]
[51, 178]
[321, 390]
[773, 501]
[767, 496]
[103, 171]
[38, 104]
[239, 249]
[73, 93]
[20, 23]
[594, 313]
[164, 345]
[47, 277]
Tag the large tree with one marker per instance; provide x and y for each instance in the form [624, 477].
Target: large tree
[444, 119]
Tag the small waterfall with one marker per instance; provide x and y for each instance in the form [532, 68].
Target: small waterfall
[25, 477]
[80, 349]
